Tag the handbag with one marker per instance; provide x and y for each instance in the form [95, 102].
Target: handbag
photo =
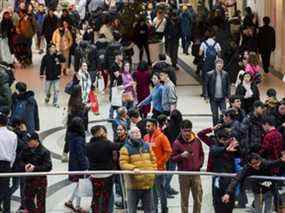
[85, 188]
[68, 88]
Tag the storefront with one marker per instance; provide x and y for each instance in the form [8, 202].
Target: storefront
[275, 9]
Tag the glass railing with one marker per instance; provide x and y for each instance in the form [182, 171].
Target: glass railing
[129, 191]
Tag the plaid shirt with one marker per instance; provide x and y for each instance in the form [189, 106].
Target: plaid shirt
[272, 145]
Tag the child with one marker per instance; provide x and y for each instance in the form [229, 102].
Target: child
[93, 100]
[271, 101]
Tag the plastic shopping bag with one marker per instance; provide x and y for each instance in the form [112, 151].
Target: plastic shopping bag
[93, 100]
[116, 99]
[85, 187]
[5, 53]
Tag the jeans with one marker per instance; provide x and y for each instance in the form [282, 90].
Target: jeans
[171, 166]
[193, 184]
[134, 196]
[217, 104]
[263, 198]
[75, 195]
[159, 191]
[54, 86]
[186, 41]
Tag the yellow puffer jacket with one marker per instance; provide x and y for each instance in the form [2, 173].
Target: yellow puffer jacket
[138, 155]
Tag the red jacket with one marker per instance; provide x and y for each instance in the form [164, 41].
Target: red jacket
[196, 159]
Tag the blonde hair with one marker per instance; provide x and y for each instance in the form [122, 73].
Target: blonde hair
[253, 59]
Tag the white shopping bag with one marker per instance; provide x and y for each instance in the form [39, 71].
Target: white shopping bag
[116, 99]
[85, 187]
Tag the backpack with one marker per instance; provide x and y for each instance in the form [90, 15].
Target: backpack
[20, 110]
[210, 57]
[211, 52]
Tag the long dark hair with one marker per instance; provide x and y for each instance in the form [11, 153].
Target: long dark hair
[77, 126]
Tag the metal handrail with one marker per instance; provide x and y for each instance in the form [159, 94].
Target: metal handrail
[191, 173]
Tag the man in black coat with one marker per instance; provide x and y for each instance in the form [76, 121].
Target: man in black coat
[51, 68]
[266, 43]
[49, 25]
[35, 158]
[217, 89]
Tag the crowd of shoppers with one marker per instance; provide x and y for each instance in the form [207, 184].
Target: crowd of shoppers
[149, 132]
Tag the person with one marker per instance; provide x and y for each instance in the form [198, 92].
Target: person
[248, 91]
[162, 151]
[157, 66]
[77, 160]
[251, 128]
[253, 68]
[159, 23]
[35, 158]
[62, 38]
[128, 95]
[142, 78]
[222, 155]
[136, 119]
[100, 157]
[262, 189]
[168, 96]
[85, 82]
[271, 101]
[25, 107]
[20, 128]
[272, 142]
[186, 28]
[27, 28]
[121, 139]
[235, 103]
[7, 28]
[155, 97]
[106, 28]
[217, 89]
[266, 33]
[141, 30]
[209, 50]
[49, 25]
[138, 185]
[116, 85]
[8, 147]
[122, 118]
[39, 17]
[172, 131]
[189, 155]
[172, 35]
[51, 68]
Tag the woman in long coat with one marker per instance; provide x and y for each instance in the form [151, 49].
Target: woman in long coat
[78, 160]
[142, 77]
